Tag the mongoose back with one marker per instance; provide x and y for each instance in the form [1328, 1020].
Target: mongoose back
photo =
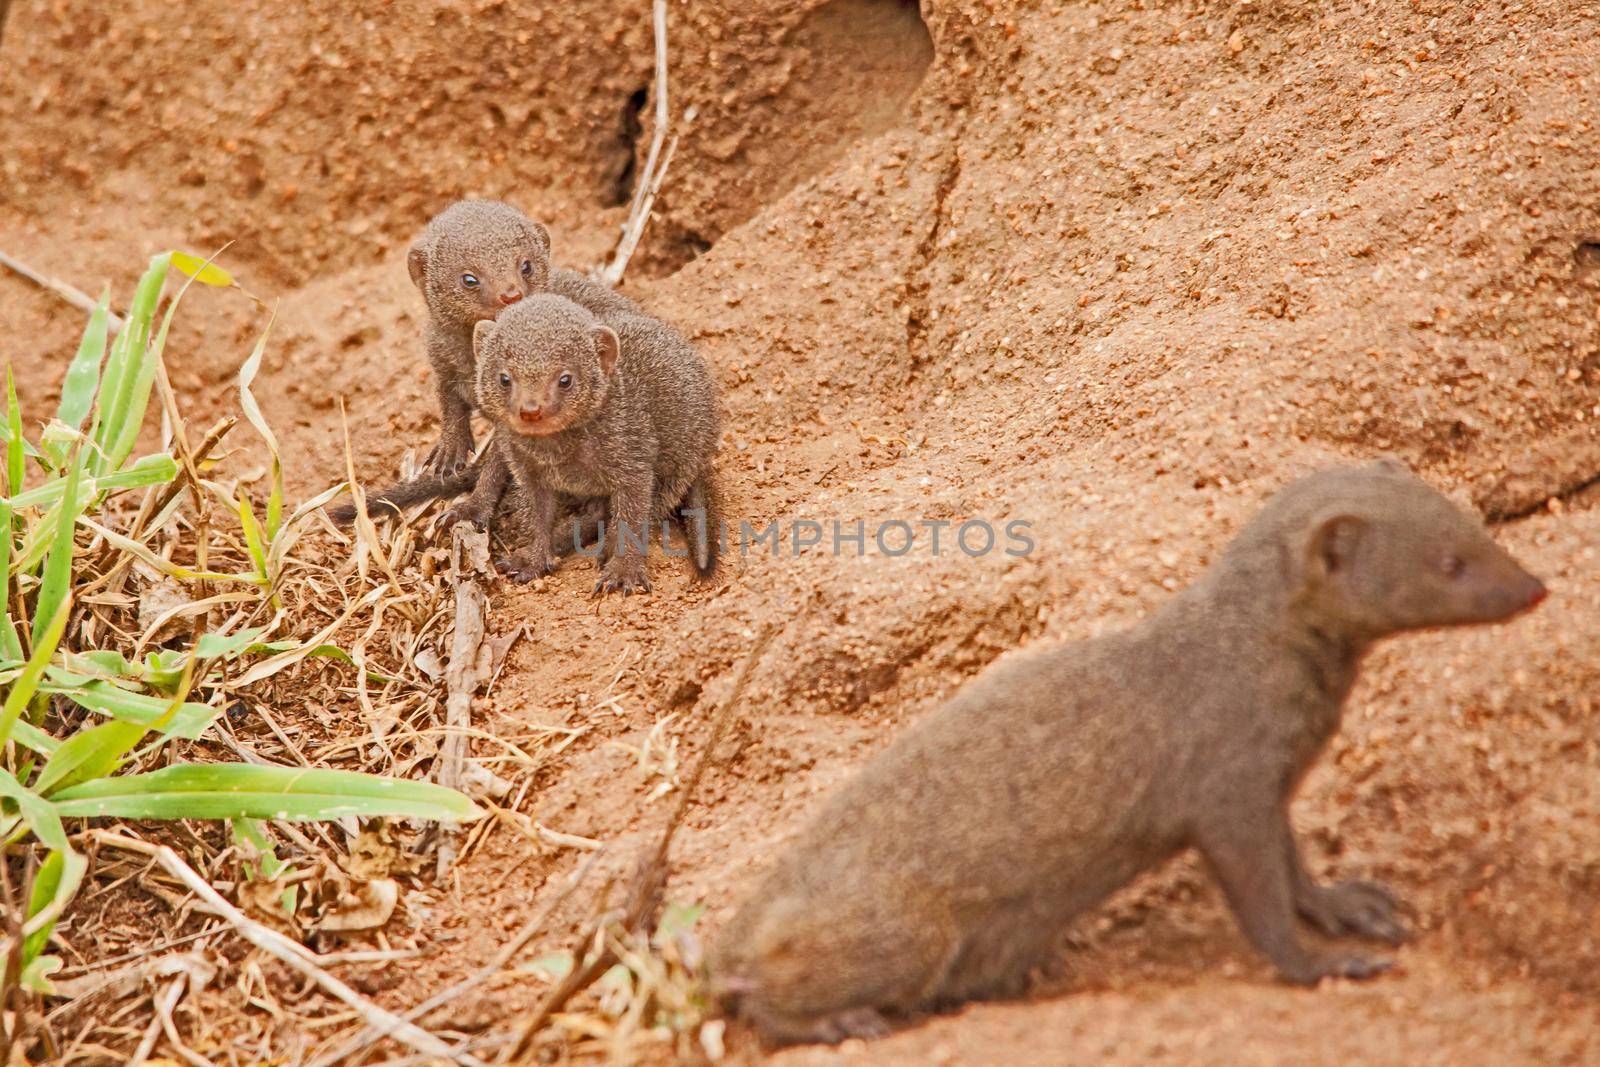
[621, 409]
[473, 260]
[947, 868]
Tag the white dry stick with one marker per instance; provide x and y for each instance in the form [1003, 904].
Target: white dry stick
[655, 165]
[296, 955]
[469, 560]
[71, 294]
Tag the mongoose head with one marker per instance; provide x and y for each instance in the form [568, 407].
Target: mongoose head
[478, 257]
[544, 366]
[1377, 551]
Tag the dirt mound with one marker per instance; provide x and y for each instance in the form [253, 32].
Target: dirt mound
[1116, 270]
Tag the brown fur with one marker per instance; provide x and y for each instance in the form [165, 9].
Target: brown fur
[619, 408]
[507, 255]
[948, 867]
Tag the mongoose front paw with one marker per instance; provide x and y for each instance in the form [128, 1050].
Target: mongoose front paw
[1361, 909]
[450, 456]
[1315, 968]
[864, 1023]
[778, 1030]
[478, 517]
[525, 566]
[622, 576]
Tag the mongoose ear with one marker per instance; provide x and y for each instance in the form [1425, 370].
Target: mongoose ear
[480, 336]
[1391, 464]
[1333, 542]
[608, 347]
[541, 236]
[417, 264]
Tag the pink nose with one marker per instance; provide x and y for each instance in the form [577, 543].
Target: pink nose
[530, 414]
[510, 296]
[1538, 595]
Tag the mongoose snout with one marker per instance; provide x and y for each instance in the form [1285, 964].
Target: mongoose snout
[947, 868]
[621, 411]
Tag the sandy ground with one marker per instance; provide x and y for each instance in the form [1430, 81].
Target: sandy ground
[1118, 269]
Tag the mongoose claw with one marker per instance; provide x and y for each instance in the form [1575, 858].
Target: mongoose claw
[525, 566]
[1357, 968]
[450, 456]
[626, 579]
[464, 513]
[1359, 909]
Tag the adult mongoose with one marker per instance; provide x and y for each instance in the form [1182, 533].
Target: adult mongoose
[947, 868]
[473, 260]
[621, 410]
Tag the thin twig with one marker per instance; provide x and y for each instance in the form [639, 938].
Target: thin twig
[530, 930]
[650, 878]
[655, 166]
[297, 956]
[71, 294]
[164, 1003]
[469, 552]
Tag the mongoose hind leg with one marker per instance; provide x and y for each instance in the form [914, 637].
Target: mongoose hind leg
[586, 526]
[533, 559]
[1250, 856]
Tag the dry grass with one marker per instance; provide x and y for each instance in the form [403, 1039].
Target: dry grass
[344, 651]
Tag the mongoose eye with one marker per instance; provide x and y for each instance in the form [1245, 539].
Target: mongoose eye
[1453, 566]
[469, 280]
[565, 381]
[505, 380]
[527, 268]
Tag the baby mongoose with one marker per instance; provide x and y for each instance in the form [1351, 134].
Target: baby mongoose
[622, 410]
[473, 260]
[946, 869]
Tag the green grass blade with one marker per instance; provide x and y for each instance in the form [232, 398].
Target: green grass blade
[157, 469]
[237, 791]
[83, 376]
[58, 565]
[252, 537]
[53, 889]
[40, 815]
[92, 753]
[190, 722]
[31, 737]
[15, 456]
[45, 639]
[145, 380]
[132, 370]
[99, 750]
[10, 643]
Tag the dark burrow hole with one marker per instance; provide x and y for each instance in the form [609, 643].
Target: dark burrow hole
[628, 147]
[1586, 258]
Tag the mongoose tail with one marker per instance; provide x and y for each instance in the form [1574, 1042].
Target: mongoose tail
[402, 495]
[701, 516]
